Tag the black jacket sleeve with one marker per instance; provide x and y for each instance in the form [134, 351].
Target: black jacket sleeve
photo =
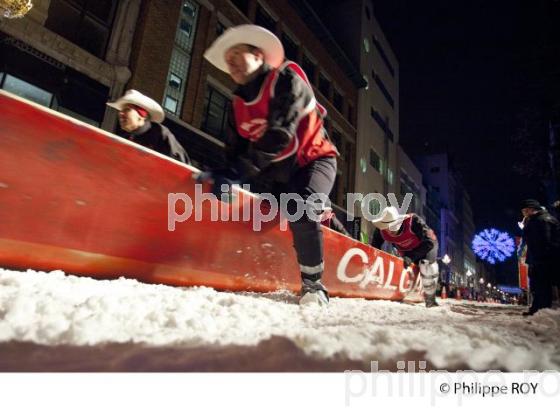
[425, 234]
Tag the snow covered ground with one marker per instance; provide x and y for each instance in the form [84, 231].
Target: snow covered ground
[56, 309]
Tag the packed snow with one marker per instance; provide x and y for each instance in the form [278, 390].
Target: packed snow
[55, 308]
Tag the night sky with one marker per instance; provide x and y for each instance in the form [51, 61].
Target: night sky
[480, 80]
[472, 74]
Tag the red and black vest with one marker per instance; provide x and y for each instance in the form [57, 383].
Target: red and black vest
[404, 241]
[310, 141]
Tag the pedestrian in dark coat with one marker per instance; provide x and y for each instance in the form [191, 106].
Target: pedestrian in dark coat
[541, 234]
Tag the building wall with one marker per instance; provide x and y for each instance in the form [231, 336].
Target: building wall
[368, 48]
[411, 182]
[456, 218]
[152, 54]
[54, 64]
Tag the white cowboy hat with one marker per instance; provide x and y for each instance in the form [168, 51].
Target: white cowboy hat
[390, 218]
[137, 98]
[246, 34]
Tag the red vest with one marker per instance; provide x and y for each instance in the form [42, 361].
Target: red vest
[406, 240]
[308, 144]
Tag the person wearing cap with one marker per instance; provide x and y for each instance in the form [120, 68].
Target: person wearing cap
[140, 120]
[541, 235]
[415, 241]
[275, 133]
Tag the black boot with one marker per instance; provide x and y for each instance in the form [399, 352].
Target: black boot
[430, 301]
[313, 292]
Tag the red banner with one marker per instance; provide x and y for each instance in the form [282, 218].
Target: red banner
[522, 266]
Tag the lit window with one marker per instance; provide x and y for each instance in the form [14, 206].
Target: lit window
[390, 176]
[366, 45]
[170, 104]
[27, 91]
[175, 81]
[181, 57]
[374, 207]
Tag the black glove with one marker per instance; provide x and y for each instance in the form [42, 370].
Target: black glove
[245, 168]
[219, 177]
[407, 262]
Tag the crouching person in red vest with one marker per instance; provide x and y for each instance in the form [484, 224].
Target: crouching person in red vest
[416, 243]
[275, 133]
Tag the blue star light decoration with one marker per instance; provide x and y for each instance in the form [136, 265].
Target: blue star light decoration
[493, 246]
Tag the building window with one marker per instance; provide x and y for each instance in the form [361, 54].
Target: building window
[242, 5]
[309, 68]
[338, 101]
[337, 139]
[375, 161]
[383, 89]
[175, 81]
[86, 23]
[180, 58]
[374, 207]
[264, 19]
[368, 14]
[384, 57]
[350, 114]
[215, 113]
[366, 45]
[324, 85]
[390, 176]
[170, 104]
[26, 90]
[220, 28]
[382, 123]
[290, 47]
[434, 170]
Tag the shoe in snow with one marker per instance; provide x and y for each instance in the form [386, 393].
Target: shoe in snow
[313, 293]
[430, 301]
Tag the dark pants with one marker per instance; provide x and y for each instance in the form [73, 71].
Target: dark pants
[541, 281]
[317, 177]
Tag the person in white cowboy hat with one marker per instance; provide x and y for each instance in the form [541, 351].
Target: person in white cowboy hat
[140, 120]
[415, 241]
[275, 134]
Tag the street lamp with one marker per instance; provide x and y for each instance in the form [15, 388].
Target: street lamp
[14, 8]
[446, 259]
